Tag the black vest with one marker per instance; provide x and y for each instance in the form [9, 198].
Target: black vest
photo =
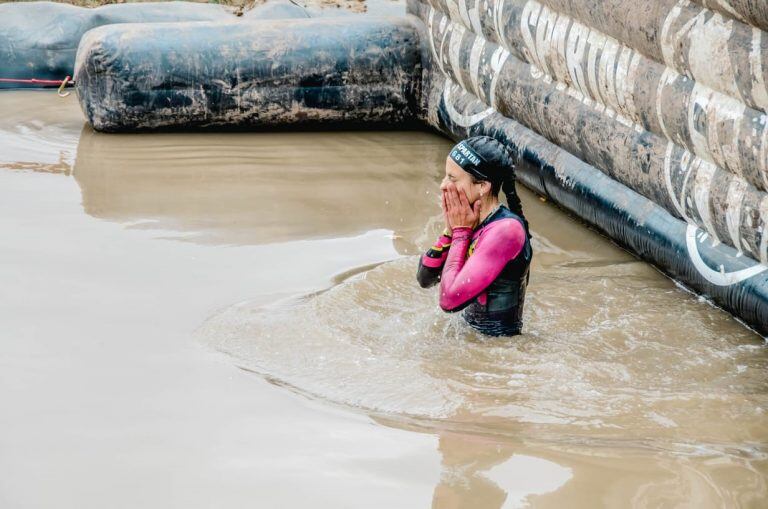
[502, 313]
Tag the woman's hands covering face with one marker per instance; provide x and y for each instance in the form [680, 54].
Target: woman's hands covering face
[457, 210]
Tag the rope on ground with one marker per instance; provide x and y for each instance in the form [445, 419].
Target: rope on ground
[34, 81]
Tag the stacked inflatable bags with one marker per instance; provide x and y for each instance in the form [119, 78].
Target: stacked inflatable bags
[39, 39]
[276, 73]
[645, 119]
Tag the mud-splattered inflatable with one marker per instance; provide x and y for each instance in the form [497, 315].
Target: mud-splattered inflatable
[38, 40]
[649, 125]
[259, 74]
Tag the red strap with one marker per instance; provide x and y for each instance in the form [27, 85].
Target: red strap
[33, 81]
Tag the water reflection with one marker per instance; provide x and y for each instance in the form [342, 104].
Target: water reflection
[38, 131]
[246, 188]
[230, 188]
[481, 472]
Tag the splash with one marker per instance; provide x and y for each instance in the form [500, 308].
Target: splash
[596, 361]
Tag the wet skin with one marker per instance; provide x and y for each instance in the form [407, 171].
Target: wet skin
[465, 200]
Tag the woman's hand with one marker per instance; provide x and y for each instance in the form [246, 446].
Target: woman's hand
[458, 212]
[444, 205]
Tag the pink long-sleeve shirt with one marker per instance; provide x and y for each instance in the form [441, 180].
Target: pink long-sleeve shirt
[472, 260]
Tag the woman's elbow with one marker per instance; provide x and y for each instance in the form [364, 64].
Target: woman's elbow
[423, 280]
[427, 278]
[447, 305]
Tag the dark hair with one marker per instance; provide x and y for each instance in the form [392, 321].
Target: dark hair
[498, 164]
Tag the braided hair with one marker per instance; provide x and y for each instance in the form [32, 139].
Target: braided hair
[496, 165]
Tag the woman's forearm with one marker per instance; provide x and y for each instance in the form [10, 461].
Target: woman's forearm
[464, 278]
[451, 294]
[431, 262]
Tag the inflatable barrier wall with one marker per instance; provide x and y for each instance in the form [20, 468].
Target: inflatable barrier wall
[39, 39]
[628, 127]
[647, 120]
[284, 72]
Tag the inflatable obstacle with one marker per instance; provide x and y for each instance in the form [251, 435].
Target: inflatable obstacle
[237, 74]
[617, 118]
[646, 120]
[38, 40]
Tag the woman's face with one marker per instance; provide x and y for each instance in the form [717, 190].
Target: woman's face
[463, 181]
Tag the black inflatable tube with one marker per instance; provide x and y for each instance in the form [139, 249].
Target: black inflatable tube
[269, 73]
[625, 216]
[660, 170]
[39, 39]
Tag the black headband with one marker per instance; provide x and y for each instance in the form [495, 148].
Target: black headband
[469, 160]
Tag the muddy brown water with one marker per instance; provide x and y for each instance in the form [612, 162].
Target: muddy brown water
[232, 319]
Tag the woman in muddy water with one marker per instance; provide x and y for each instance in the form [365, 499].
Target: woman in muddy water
[482, 258]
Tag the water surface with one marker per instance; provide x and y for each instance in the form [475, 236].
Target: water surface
[154, 282]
